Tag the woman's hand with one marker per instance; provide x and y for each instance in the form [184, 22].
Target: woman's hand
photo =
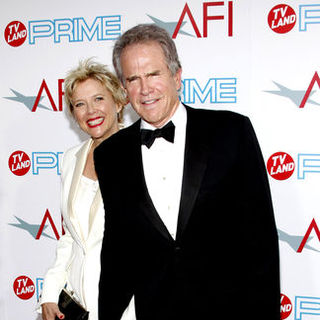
[50, 311]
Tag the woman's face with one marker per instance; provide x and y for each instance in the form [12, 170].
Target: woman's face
[94, 109]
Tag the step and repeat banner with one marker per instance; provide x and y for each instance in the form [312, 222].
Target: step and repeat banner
[259, 58]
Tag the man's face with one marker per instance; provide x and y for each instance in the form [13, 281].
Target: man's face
[151, 88]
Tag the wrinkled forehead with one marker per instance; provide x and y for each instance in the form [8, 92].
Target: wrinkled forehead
[134, 49]
[142, 55]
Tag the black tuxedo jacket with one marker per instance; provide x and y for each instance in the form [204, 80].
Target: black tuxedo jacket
[224, 262]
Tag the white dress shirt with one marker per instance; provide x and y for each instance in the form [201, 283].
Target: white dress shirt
[163, 170]
[87, 190]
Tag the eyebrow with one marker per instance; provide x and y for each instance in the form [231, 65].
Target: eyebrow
[152, 73]
[132, 78]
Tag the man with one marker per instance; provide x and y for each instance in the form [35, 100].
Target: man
[190, 230]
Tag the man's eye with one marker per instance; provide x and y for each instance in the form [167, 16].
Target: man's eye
[132, 79]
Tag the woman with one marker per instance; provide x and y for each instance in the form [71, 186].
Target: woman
[95, 99]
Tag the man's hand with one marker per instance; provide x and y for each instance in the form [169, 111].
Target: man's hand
[50, 311]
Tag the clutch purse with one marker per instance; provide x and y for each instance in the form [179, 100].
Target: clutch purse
[71, 308]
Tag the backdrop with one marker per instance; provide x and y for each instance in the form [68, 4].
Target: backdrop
[259, 58]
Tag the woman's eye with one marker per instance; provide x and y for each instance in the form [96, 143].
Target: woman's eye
[79, 104]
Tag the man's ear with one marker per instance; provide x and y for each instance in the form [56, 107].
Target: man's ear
[126, 91]
[177, 78]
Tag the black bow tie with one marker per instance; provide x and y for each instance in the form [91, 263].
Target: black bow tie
[148, 136]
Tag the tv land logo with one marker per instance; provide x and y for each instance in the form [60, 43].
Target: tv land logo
[281, 165]
[24, 287]
[285, 307]
[15, 33]
[299, 97]
[282, 17]
[78, 29]
[20, 163]
[38, 230]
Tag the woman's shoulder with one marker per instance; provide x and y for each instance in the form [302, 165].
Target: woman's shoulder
[70, 155]
[72, 151]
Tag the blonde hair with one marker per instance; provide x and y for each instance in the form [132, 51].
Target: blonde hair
[89, 69]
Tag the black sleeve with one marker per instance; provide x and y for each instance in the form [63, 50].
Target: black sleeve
[263, 274]
[114, 286]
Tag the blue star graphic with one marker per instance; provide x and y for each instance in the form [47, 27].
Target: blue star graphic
[294, 241]
[28, 101]
[31, 228]
[169, 26]
[295, 96]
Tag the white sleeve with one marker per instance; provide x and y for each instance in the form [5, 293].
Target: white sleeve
[56, 276]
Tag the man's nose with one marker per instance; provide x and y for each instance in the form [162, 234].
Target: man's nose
[145, 86]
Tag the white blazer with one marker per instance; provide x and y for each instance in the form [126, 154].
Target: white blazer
[77, 261]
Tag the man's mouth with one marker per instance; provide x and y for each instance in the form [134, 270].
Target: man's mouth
[150, 101]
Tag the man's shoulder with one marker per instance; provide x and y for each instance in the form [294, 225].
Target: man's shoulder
[209, 116]
[120, 139]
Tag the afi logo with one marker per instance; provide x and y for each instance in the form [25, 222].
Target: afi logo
[206, 7]
[33, 102]
[299, 97]
[299, 243]
[313, 227]
[315, 79]
[38, 230]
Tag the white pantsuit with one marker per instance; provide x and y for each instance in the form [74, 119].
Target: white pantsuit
[77, 261]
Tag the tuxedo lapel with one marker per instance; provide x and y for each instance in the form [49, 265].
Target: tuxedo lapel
[195, 163]
[144, 201]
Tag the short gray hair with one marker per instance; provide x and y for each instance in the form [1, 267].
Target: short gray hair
[143, 33]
